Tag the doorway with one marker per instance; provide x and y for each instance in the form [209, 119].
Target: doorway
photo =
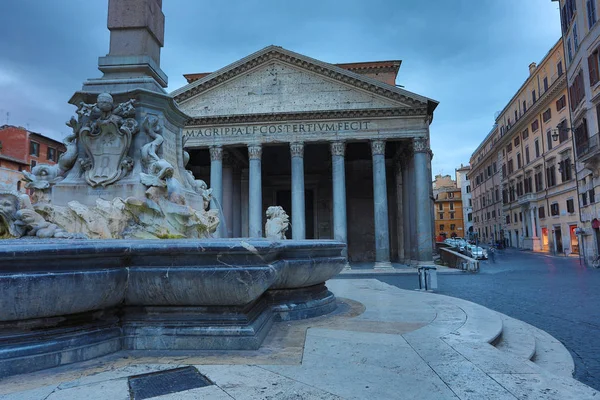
[284, 199]
[544, 239]
[574, 240]
[558, 240]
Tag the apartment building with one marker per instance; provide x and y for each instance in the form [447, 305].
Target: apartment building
[581, 38]
[485, 181]
[463, 182]
[21, 150]
[526, 164]
[448, 208]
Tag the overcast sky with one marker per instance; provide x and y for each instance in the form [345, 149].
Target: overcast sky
[470, 55]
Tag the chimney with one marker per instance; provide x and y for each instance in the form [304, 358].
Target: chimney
[532, 68]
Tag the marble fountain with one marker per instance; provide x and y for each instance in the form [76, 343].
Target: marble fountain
[113, 250]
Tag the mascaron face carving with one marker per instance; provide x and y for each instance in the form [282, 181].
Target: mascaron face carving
[106, 137]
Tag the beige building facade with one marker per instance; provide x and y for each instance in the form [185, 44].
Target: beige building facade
[581, 38]
[531, 162]
[485, 179]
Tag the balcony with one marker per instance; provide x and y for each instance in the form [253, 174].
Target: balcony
[526, 199]
[588, 150]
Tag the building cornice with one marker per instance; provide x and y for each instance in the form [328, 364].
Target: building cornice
[308, 115]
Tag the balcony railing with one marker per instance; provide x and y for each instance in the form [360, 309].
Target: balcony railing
[586, 146]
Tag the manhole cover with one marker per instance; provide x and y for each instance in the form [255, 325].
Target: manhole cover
[165, 382]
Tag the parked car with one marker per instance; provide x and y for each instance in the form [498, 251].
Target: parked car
[478, 253]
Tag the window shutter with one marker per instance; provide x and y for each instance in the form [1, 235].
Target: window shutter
[593, 67]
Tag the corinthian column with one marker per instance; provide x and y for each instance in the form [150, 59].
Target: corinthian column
[382, 233]
[340, 230]
[422, 159]
[216, 183]
[255, 191]
[298, 205]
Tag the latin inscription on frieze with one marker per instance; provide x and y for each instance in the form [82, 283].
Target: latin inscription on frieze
[277, 129]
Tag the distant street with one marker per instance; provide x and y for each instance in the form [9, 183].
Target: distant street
[552, 293]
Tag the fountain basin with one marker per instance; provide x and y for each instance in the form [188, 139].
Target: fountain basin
[64, 301]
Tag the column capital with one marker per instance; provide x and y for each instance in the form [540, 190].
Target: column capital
[216, 153]
[421, 145]
[378, 147]
[297, 149]
[338, 148]
[254, 151]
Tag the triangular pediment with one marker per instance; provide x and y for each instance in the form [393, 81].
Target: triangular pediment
[275, 80]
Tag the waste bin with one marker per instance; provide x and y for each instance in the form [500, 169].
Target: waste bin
[427, 277]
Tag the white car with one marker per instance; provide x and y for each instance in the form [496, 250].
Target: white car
[478, 253]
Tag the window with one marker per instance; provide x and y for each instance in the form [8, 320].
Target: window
[516, 115]
[524, 106]
[494, 167]
[520, 217]
[569, 50]
[450, 195]
[441, 227]
[554, 210]
[584, 199]
[452, 227]
[528, 185]
[51, 155]
[508, 219]
[469, 217]
[510, 166]
[592, 196]
[441, 207]
[591, 12]
[565, 170]
[517, 141]
[504, 170]
[546, 115]
[537, 148]
[452, 206]
[518, 160]
[575, 37]
[549, 139]
[541, 212]
[441, 216]
[497, 194]
[559, 68]
[533, 98]
[550, 176]
[452, 215]
[545, 83]
[509, 148]
[561, 103]
[470, 203]
[525, 134]
[468, 188]
[570, 206]
[515, 219]
[577, 91]
[535, 125]
[593, 67]
[34, 149]
[527, 155]
[539, 184]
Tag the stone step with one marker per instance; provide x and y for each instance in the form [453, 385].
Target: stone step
[516, 339]
[482, 325]
[525, 341]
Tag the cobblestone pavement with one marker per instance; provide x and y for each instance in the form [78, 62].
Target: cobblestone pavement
[555, 294]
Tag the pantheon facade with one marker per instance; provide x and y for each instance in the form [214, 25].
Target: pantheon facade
[340, 147]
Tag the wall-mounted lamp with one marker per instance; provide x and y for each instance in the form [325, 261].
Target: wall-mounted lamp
[555, 133]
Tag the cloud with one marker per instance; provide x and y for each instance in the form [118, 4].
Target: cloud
[471, 55]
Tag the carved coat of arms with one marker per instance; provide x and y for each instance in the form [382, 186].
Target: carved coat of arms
[106, 138]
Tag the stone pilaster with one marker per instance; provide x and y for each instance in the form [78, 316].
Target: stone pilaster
[298, 204]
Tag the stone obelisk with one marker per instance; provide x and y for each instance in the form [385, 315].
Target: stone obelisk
[131, 75]
[137, 31]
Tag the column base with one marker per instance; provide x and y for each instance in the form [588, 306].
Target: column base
[383, 265]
